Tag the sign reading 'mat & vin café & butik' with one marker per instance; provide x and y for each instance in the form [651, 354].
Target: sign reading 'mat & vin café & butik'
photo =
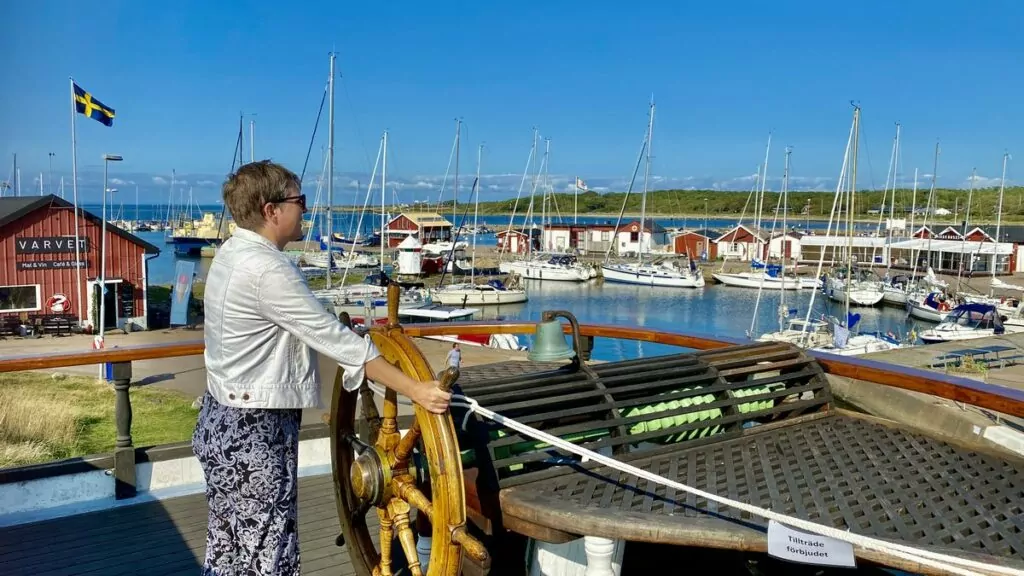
[50, 245]
[51, 264]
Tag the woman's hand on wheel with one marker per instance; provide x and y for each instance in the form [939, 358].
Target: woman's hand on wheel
[430, 396]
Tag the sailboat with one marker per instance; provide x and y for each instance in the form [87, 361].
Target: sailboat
[801, 332]
[835, 336]
[894, 286]
[1002, 306]
[658, 273]
[850, 284]
[765, 275]
[981, 316]
[470, 293]
[341, 298]
[551, 266]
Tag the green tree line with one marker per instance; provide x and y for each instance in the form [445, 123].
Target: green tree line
[812, 204]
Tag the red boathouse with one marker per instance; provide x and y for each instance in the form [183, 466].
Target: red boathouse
[38, 270]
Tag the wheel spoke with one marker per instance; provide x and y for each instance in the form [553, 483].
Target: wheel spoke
[387, 534]
[399, 510]
[406, 444]
[369, 412]
[447, 380]
[389, 423]
[470, 545]
[405, 488]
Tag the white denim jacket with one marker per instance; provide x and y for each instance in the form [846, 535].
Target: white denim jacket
[262, 327]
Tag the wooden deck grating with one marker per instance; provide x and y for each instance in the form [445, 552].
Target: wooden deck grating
[165, 537]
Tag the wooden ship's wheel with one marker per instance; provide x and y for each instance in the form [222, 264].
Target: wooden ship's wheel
[378, 472]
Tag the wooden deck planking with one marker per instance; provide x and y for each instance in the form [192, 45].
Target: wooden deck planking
[155, 538]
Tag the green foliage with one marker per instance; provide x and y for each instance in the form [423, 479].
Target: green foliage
[719, 202]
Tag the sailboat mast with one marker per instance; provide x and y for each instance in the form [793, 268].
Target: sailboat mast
[455, 197]
[967, 219]
[892, 201]
[970, 196]
[476, 212]
[330, 174]
[528, 219]
[932, 201]
[850, 211]
[785, 231]
[647, 175]
[999, 219]
[763, 174]
[383, 192]
[455, 190]
[546, 194]
[241, 136]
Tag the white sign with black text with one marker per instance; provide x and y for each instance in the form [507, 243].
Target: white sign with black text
[786, 543]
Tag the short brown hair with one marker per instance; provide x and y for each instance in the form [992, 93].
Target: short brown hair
[252, 186]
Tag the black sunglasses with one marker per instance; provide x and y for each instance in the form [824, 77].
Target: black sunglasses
[300, 200]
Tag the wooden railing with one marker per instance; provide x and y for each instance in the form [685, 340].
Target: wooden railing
[998, 398]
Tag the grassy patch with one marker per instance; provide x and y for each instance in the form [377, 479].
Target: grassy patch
[44, 418]
[970, 366]
[321, 282]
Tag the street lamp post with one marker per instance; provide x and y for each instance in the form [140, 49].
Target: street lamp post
[107, 159]
[49, 175]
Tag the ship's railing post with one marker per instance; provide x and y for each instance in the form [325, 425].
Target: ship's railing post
[586, 347]
[120, 374]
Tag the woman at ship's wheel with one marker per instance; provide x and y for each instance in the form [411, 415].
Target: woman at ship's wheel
[262, 327]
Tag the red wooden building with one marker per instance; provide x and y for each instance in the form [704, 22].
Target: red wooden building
[517, 241]
[427, 227]
[694, 243]
[922, 232]
[38, 270]
[743, 243]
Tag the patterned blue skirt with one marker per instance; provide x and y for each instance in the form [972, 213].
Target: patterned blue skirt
[250, 459]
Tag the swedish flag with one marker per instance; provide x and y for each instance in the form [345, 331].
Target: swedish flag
[93, 108]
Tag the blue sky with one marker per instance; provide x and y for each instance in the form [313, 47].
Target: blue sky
[723, 75]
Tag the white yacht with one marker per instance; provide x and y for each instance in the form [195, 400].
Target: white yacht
[660, 273]
[973, 320]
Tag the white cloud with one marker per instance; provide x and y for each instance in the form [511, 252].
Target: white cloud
[118, 182]
[159, 180]
[981, 182]
[206, 183]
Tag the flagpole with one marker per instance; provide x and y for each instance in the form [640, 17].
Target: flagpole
[74, 188]
[575, 199]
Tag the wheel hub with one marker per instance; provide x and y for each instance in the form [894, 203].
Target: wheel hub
[370, 477]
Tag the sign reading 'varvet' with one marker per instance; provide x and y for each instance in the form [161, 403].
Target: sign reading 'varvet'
[50, 245]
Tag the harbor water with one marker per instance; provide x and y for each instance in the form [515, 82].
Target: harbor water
[714, 310]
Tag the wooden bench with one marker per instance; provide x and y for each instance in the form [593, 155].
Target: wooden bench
[986, 355]
[54, 324]
[10, 325]
[754, 423]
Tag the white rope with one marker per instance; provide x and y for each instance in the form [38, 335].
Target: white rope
[951, 564]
